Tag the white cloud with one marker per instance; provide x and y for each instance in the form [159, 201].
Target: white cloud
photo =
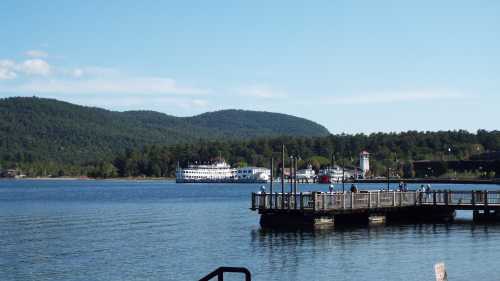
[7, 63]
[37, 76]
[37, 54]
[123, 85]
[77, 72]
[9, 69]
[159, 103]
[41, 78]
[6, 70]
[97, 71]
[35, 67]
[88, 72]
[261, 91]
[6, 74]
[392, 97]
[199, 103]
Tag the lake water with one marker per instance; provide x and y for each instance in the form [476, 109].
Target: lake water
[158, 230]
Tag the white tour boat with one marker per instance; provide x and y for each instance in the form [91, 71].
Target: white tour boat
[218, 171]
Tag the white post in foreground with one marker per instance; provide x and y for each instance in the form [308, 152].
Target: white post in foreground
[440, 271]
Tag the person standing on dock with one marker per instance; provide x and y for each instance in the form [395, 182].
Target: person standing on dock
[263, 189]
[428, 192]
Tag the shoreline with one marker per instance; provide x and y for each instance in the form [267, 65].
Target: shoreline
[417, 180]
[88, 179]
[412, 181]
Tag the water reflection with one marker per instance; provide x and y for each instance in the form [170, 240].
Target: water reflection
[153, 231]
[339, 248]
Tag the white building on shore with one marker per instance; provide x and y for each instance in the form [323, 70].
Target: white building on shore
[253, 174]
[364, 163]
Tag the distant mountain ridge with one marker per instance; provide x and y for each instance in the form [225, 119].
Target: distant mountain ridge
[34, 129]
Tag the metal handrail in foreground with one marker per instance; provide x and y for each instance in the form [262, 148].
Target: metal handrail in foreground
[219, 272]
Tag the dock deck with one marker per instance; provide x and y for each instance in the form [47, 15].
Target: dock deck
[309, 207]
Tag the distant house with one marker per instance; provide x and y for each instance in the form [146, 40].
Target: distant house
[11, 173]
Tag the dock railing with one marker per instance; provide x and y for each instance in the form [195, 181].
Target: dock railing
[461, 198]
[321, 201]
[326, 201]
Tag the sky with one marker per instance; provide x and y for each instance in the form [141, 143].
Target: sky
[352, 66]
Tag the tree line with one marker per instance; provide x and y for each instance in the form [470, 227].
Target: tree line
[400, 153]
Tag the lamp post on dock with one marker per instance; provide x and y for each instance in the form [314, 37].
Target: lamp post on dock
[272, 176]
[297, 158]
[388, 177]
[343, 174]
[282, 169]
[290, 176]
[295, 168]
[389, 171]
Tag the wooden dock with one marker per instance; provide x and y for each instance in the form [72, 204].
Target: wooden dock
[319, 208]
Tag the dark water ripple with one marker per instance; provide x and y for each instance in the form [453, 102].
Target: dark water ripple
[120, 230]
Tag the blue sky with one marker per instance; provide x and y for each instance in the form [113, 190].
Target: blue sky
[353, 66]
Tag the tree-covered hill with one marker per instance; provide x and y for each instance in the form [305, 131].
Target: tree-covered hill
[36, 129]
[277, 124]
[42, 137]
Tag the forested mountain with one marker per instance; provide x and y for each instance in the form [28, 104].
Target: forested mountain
[37, 129]
[44, 137]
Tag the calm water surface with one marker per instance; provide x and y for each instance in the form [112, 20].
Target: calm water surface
[158, 230]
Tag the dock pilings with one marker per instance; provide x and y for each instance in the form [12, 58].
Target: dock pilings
[372, 207]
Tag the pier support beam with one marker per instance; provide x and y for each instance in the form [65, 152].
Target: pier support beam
[411, 215]
[375, 219]
[298, 219]
[295, 220]
[352, 219]
[486, 215]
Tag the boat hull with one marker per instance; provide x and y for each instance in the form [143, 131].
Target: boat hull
[324, 179]
[220, 181]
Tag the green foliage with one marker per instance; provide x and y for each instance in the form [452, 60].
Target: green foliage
[103, 170]
[240, 164]
[36, 129]
[314, 151]
[45, 137]
[317, 162]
